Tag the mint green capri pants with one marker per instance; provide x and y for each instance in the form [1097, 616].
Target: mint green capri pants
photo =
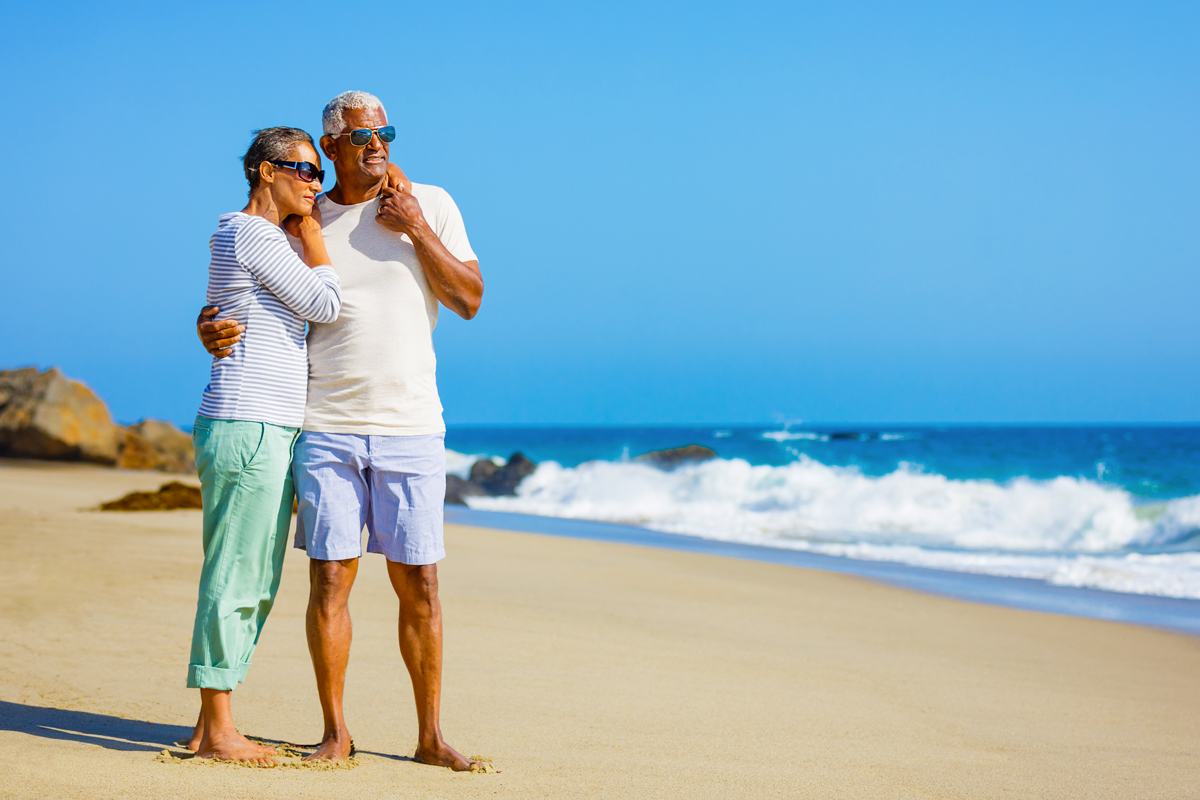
[246, 483]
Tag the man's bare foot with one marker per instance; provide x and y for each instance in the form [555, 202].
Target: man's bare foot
[443, 755]
[235, 747]
[336, 747]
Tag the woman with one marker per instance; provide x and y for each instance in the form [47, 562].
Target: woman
[250, 416]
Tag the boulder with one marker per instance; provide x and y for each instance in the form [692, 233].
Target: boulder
[46, 415]
[669, 459]
[504, 480]
[458, 490]
[487, 479]
[169, 496]
[482, 471]
[152, 444]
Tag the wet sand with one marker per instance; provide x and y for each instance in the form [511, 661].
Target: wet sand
[582, 669]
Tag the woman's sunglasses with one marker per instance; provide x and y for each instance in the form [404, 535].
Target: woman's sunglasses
[305, 170]
[363, 135]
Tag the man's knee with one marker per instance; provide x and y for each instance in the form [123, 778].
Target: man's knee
[415, 582]
[330, 581]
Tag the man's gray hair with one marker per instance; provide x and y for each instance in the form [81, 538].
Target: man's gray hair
[334, 121]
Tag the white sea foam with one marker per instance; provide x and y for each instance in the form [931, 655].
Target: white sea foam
[1067, 531]
[791, 436]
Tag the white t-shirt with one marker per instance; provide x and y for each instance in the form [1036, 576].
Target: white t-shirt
[373, 370]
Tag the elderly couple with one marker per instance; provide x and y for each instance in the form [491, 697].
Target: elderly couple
[349, 423]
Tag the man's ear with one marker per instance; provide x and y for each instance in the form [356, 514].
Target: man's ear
[329, 147]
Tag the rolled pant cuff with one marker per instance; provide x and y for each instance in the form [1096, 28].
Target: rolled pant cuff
[223, 680]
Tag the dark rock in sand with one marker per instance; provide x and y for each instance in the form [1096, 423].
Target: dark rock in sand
[46, 415]
[152, 444]
[489, 480]
[669, 459]
[169, 496]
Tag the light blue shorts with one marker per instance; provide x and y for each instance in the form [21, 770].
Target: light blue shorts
[394, 485]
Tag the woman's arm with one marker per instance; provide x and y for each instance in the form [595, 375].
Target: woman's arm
[308, 231]
[312, 292]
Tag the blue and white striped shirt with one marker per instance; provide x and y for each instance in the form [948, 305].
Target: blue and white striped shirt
[259, 281]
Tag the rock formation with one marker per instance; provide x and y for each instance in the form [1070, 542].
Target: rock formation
[152, 444]
[489, 480]
[46, 415]
[669, 459]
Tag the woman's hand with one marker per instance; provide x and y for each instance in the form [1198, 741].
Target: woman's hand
[308, 231]
[300, 227]
[397, 180]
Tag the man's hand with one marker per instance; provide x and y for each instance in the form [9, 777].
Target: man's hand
[217, 336]
[399, 211]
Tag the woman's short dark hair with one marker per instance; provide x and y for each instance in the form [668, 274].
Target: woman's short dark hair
[271, 144]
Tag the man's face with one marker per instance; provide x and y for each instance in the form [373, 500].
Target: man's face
[368, 161]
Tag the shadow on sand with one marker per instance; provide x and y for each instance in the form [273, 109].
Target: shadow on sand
[114, 733]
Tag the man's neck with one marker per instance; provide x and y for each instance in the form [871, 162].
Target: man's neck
[346, 193]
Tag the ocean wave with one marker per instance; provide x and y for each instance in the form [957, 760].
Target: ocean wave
[791, 436]
[1069, 531]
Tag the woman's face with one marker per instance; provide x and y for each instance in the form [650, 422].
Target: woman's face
[291, 194]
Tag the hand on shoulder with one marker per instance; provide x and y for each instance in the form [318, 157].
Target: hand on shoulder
[397, 180]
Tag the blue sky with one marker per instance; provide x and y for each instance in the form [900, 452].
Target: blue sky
[684, 212]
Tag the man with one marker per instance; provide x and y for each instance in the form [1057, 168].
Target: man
[372, 451]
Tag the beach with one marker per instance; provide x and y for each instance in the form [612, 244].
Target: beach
[579, 668]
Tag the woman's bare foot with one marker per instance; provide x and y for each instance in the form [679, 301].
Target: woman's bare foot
[193, 743]
[335, 747]
[443, 755]
[235, 747]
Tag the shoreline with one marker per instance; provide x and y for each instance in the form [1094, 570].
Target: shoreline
[1168, 613]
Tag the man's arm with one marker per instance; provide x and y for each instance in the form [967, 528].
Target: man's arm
[457, 284]
[217, 336]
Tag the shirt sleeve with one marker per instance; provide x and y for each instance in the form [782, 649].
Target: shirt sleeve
[450, 228]
[311, 294]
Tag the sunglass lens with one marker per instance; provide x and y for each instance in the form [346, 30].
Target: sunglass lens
[306, 171]
[360, 137]
[387, 133]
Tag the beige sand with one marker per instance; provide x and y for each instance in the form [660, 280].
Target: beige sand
[581, 669]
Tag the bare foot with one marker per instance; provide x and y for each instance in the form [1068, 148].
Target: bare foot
[193, 743]
[235, 747]
[336, 747]
[443, 755]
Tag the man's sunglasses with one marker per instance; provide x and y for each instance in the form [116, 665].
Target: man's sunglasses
[363, 135]
[305, 170]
